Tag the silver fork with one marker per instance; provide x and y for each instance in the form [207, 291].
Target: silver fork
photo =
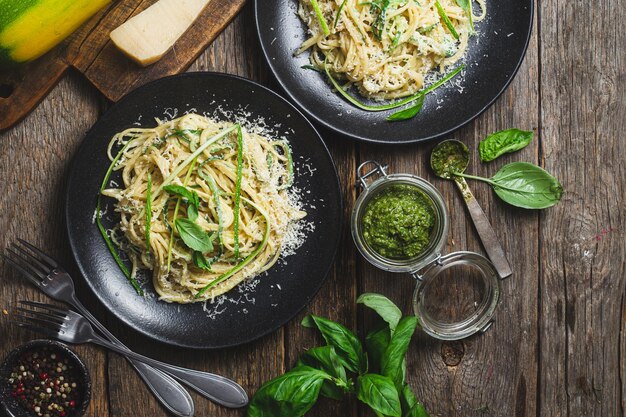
[69, 326]
[47, 275]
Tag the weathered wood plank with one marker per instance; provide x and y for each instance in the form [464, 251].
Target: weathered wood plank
[34, 157]
[582, 240]
[493, 374]
[337, 298]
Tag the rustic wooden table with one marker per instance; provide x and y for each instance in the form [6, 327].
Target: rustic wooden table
[558, 344]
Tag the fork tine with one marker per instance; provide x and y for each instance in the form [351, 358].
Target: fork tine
[27, 265]
[52, 317]
[58, 312]
[30, 257]
[35, 329]
[27, 274]
[39, 319]
[40, 253]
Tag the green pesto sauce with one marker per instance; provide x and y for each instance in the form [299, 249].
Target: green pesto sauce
[449, 157]
[398, 222]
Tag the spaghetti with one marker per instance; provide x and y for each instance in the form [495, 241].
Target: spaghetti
[204, 204]
[386, 48]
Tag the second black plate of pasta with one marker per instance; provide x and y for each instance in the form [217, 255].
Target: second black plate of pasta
[382, 47]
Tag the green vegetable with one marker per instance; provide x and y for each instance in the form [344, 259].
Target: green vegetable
[505, 141]
[218, 205]
[524, 185]
[176, 208]
[103, 232]
[320, 17]
[30, 28]
[200, 261]
[391, 361]
[248, 259]
[409, 112]
[238, 190]
[446, 19]
[148, 211]
[191, 197]
[193, 235]
[346, 343]
[382, 305]
[326, 359]
[376, 343]
[379, 393]
[289, 395]
[378, 27]
[410, 403]
[396, 104]
[191, 158]
[343, 3]
[323, 370]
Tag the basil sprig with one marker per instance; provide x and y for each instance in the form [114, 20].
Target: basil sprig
[378, 392]
[190, 197]
[342, 368]
[504, 141]
[524, 185]
[193, 235]
[291, 394]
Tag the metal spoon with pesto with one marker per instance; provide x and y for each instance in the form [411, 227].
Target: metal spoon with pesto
[447, 159]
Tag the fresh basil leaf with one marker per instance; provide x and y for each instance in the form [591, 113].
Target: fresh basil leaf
[346, 344]
[382, 305]
[376, 343]
[380, 394]
[190, 195]
[200, 261]
[193, 235]
[410, 405]
[192, 212]
[409, 112]
[326, 359]
[504, 141]
[289, 395]
[527, 186]
[391, 361]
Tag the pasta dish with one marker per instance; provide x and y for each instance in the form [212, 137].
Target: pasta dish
[204, 204]
[386, 48]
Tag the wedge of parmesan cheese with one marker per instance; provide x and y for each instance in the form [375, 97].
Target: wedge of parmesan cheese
[146, 37]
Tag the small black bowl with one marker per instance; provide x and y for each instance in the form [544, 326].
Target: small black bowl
[10, 405]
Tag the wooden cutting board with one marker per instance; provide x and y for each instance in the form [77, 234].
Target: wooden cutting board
[91, 52]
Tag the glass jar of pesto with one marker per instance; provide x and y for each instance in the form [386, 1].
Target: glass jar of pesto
[400, 224]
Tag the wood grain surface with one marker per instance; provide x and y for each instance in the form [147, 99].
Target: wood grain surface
[90, 51]
[558, 344]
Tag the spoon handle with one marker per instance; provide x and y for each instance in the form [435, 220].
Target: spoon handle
[485, 231]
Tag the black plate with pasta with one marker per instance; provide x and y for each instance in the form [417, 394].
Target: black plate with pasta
[411, 38]
[205, 278]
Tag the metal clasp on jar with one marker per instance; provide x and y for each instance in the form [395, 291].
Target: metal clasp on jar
[379, 169]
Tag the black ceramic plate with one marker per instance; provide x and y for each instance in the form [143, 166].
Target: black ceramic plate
[491, 65]
[244, 315]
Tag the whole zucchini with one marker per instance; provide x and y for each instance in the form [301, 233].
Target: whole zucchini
[30, 28]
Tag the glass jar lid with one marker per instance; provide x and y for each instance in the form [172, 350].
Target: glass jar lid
[457, 295]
